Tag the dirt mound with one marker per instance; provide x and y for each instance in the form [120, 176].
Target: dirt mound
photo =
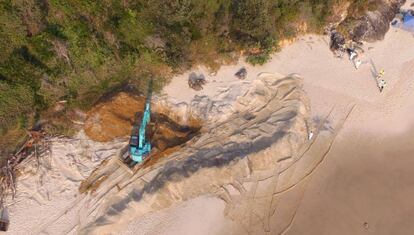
[113, 118]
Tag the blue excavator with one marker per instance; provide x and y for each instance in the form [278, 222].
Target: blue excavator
[139, 147]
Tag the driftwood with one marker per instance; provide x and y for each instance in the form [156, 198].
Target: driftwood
[35, 146]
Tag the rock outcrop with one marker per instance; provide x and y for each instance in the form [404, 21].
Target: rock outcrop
[370, 26]
[373, 26]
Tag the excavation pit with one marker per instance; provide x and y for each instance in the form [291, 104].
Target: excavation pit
[115, 118]
[166, 136]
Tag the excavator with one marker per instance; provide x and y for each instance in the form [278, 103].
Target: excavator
[139, 147]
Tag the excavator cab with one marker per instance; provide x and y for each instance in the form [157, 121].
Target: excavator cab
[134, 139]
[138, 153]
[133, 142]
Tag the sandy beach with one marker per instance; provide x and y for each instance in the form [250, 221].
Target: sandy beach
[364, 184]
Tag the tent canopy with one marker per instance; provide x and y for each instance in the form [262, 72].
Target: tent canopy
[408, 22]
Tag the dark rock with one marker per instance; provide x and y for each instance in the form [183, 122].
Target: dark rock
[370, 27]
[196, 82]
[337, 41]
[241, 74]
[374, 24]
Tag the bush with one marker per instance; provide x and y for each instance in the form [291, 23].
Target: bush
[16, 102]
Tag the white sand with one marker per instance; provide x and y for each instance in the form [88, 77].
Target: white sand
[48, 199]
[198, 219]
[328, 81]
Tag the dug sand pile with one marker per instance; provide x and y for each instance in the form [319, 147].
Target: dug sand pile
[249, 160]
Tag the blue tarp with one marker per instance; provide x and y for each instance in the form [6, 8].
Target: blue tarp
[408, 22]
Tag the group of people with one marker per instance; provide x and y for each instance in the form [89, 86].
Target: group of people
[353, 56]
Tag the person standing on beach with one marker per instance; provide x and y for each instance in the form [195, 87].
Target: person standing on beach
[357, 63]
[352, 55]
[381, 84]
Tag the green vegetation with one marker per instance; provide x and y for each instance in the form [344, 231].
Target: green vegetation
[80, 50]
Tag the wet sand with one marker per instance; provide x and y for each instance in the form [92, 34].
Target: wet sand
[365, 186]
